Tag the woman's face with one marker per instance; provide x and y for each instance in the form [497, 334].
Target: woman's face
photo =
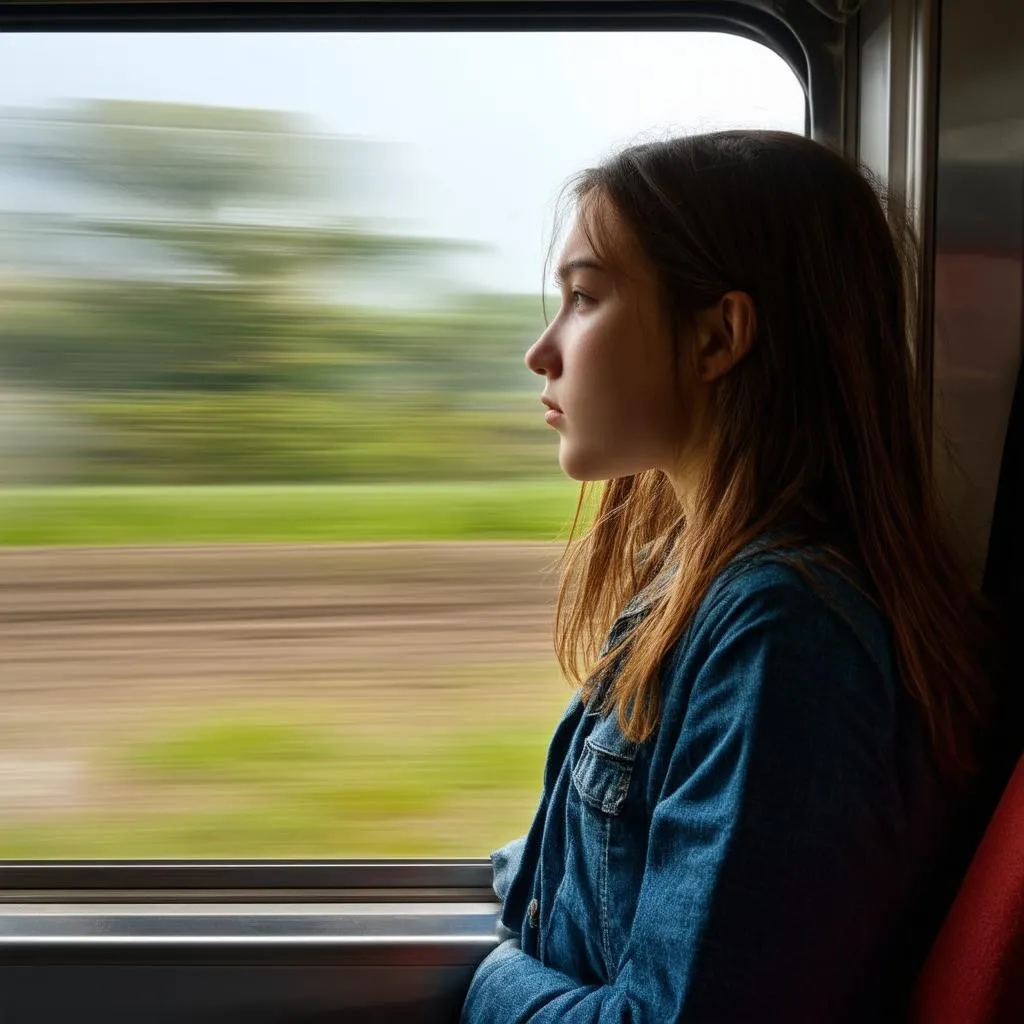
[607, 358]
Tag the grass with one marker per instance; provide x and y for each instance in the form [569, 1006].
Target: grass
[94, 516]
[230, 749]
[252, 782]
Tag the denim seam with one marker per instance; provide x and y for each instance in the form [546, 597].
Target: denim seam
[543, 926]
[606, 826]
[623, 759]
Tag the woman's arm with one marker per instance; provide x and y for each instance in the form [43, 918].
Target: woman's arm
[505, 864]
[774, 844]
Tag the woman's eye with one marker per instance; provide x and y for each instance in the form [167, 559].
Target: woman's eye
[579, 299]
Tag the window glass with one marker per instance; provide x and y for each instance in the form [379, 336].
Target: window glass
[279, 510]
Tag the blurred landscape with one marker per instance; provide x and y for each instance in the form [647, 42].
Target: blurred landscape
[279, 513]
[190, 297]
[205, 342]
[274, 701]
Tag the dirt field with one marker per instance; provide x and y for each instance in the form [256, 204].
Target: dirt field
[97, 643]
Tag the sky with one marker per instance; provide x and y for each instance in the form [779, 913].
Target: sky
[486, 127]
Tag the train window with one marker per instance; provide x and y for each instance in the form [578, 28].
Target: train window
[278, 505]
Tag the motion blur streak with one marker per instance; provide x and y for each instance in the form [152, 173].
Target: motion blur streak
[192, 301]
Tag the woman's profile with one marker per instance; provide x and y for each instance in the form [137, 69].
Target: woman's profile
[781, 696]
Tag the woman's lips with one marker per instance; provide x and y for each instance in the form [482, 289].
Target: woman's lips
[554, 413]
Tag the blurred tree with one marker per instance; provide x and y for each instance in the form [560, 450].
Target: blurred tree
[180, 158]
[222, 216]
[166, 250]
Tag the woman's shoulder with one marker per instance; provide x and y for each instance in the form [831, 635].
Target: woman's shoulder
[802, 597]
[785, 652]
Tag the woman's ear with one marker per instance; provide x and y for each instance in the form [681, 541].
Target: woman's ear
[725, 334]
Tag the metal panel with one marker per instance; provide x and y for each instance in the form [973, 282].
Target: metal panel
[875, 87]
[276, 881]
[232, 992]
[194, 926]
[897, 56]
[979, 274]
[256, 963]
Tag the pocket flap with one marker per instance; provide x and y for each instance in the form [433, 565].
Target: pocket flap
[601, 777]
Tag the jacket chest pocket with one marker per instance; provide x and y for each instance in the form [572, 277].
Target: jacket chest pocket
[602, 777]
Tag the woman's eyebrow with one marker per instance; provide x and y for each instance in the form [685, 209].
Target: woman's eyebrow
[565, 269]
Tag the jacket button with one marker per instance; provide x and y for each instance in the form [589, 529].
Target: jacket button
[532, 913]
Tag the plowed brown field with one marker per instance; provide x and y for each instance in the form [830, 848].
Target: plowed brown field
[98, 643]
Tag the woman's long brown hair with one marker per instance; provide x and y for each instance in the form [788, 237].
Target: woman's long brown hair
[819, 434]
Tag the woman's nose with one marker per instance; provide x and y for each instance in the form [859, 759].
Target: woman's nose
[533, 363]
[542, 357]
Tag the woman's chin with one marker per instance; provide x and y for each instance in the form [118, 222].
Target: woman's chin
[600, 463]
[581, 466]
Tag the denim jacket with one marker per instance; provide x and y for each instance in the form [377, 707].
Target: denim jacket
[759, 857]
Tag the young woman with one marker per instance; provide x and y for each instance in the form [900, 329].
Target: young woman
[744, 801]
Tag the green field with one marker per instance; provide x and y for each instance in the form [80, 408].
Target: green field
[519, 510]
[264, 781]
[435, 765]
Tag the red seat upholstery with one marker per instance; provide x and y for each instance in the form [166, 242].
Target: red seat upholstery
[974, 973]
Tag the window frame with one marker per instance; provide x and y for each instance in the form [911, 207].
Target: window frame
[809, 41]
[313, 940]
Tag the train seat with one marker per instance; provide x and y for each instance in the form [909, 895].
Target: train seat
[974, 973]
